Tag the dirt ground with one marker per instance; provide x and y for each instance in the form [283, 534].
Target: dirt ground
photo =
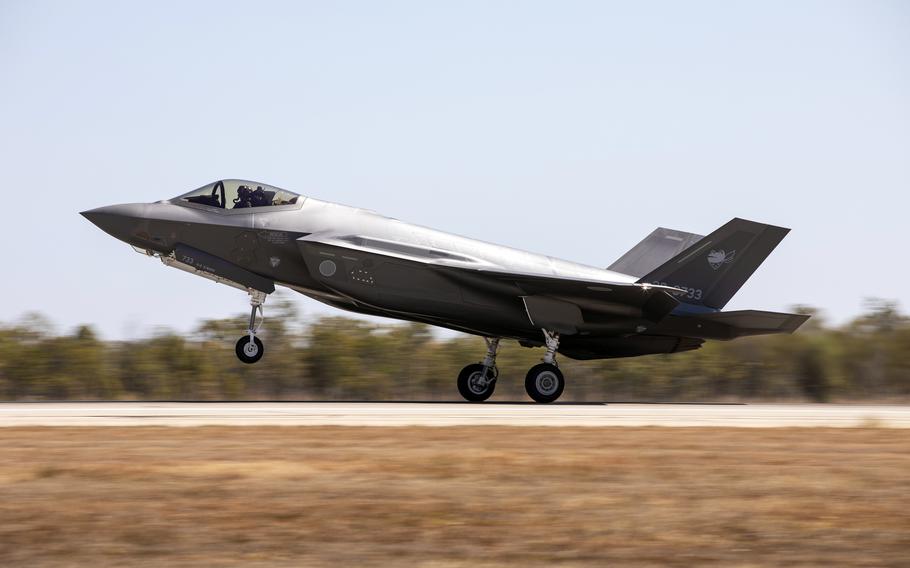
[452, 497]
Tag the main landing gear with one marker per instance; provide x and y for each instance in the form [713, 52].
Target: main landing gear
[249, 348]
[477, 381]
[544, 382]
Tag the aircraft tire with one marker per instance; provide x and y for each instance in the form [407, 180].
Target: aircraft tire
[247, 353]
[544, 383]
[469, 386]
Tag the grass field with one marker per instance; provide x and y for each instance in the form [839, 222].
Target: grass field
[447, 497]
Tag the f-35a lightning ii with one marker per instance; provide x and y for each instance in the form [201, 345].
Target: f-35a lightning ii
[663, 296]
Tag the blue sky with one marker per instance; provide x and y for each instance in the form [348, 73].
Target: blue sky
[566, 128]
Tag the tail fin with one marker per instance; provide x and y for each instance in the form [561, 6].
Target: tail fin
[657, 248]
[716, 267]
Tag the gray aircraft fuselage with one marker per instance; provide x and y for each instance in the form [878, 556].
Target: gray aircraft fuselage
[361, 261]
[265, 241]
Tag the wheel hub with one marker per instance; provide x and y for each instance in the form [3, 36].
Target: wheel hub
[477, 383]
[547, 383]
[250, 349]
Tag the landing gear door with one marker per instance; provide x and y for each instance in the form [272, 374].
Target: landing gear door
[208, 264]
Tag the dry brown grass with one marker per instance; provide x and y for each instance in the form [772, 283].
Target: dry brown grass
[447, 497]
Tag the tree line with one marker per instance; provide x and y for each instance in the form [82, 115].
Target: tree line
[339, 358]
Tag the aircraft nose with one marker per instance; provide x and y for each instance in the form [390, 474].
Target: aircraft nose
[119, 221]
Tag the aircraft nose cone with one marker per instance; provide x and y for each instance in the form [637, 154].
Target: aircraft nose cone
[116, 220]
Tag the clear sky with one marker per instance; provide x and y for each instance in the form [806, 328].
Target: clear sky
[566, 128]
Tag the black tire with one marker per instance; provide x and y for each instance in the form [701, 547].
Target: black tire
[247, 353]
[544, 382]
[469, 385]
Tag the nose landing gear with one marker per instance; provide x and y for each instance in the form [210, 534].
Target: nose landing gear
[249, 348]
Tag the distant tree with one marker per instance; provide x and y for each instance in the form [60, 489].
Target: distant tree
[344, 358]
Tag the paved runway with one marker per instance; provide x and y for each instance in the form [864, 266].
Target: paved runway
[447, 414]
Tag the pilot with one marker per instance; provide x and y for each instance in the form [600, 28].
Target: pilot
[257, 198]
[244, 197]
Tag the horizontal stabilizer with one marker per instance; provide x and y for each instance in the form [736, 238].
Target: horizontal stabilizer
[730, 325]
[657, 248]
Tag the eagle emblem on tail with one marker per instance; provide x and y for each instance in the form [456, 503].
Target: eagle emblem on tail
[718, 258]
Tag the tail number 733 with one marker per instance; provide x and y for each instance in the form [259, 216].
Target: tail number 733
[691, 293]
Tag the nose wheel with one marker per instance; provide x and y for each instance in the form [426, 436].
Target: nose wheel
[249, 348]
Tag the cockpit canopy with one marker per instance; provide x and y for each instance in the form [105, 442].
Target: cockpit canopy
[239, 194]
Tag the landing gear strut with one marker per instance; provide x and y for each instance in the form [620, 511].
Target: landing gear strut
[477, 381]
[544, 382]
[249, 348]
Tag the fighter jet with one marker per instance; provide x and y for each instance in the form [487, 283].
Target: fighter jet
[663, 296]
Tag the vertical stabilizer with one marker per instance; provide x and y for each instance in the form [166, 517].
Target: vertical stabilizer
[657, 248]
[715, 268]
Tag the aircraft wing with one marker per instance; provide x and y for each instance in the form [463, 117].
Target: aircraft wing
[564, 304]
[569, 305]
